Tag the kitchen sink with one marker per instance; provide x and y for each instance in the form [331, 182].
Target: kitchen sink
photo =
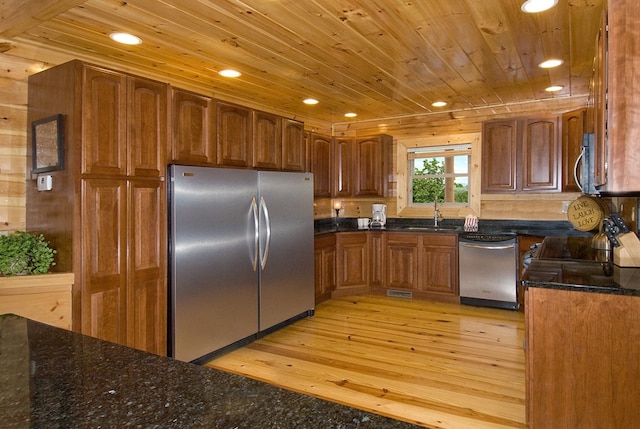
[430, 228]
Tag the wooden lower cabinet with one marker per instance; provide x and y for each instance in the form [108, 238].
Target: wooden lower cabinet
[438, 265]
[352, 262]
[424, 264]
[324, 266]
[123, 262]
[401, 267]
[582, 367]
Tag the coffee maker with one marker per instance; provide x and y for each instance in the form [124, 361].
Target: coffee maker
[378, 215]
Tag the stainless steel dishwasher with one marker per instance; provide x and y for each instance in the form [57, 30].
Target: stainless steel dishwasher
[488, 269]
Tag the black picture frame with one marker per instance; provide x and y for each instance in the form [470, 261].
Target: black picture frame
[48, 144]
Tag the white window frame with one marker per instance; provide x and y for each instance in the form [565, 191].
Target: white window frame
[445, 151]
[406, 144]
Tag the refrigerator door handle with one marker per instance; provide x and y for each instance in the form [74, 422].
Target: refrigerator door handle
[256, 233]
[267, 244]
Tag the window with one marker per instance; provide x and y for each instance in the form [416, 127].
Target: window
[439, 173]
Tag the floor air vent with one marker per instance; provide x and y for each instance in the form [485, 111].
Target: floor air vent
[400, 294]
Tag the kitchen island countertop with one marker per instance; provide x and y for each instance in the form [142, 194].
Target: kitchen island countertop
[568, 263]
[52, 377]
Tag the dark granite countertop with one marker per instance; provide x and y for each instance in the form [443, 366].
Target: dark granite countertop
[53, 378]
[520, 227]
[568, 263]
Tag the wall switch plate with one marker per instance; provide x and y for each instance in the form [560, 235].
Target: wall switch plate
[45, 183]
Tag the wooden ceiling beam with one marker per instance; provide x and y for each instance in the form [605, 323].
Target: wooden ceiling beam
[19, 16]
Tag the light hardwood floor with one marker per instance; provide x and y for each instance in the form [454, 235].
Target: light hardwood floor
[438, 365]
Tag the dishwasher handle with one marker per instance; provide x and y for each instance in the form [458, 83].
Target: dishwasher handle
[487, 247]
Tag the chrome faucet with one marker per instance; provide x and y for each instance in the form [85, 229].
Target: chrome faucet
[437, 217]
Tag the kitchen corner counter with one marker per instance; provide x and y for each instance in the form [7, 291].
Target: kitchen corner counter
[52, 377]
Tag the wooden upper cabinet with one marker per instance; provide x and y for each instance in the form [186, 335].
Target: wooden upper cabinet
[573, 129]
[343, 162]
[598, 108]
[521, 155]
[617, 102]
[234, 135]
[267, 141]
[294, 146]
[124, 124]
[147, 118]
[193, 129]
[104, 117]
[541, 154]
[321, 148]
[499, 155]
[372, 166]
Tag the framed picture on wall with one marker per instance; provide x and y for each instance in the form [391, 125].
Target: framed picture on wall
[48, 144]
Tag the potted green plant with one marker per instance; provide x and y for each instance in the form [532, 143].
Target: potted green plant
[25, 253]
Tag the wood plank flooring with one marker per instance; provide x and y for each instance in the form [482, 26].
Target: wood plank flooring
[434, 364]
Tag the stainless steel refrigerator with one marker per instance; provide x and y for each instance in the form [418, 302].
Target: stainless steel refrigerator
[241, 255]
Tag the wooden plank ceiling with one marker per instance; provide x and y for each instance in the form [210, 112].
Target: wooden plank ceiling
[383, 59]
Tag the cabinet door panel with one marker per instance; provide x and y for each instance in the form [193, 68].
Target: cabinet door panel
[147, 298]
[352, 260]
[294, 148]
[402, 260]
[499, 156]
[541, 152]
[439, 266]
[234, 135]
[573, 129]
[321, 165]
[193, 140]
[343, 167]
[147, 116]
[325, 266]
[371, 166]
[376, 258]
[104, 122]
[103, 259]
[267, 141]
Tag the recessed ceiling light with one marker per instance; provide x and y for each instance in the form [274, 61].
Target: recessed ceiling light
[125, 38]
[439, 103]
[229, 73]
[350, 115]
[310, 101]
[535, 6]
[549, 64]
[554, 88]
